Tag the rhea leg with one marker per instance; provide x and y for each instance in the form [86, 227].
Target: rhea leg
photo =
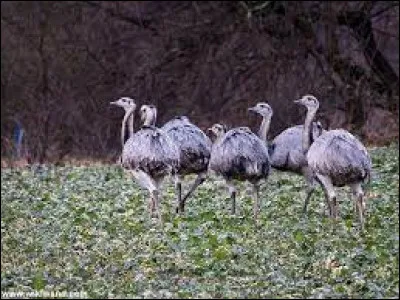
[199, 180]
[309, 192]
[157, 196]
[330, 195]
[178, 187]
[310, 180]
[145, 181]
[359, 203]
[232, 192]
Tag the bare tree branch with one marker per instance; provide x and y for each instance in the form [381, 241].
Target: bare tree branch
[361, 26]
[383, 10]
[146, 24]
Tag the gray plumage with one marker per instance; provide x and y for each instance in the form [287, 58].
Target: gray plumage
[149, 154]
[338, 155]
[240, 155]
[286, 150]
[194, 147]
[152, 151]
[286, 153]
[336, 158]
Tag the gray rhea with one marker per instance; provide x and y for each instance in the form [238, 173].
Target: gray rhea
[195, 148]
[129, 105]
[286, 153]
[149, 154]
[239, 154]
[337, 158]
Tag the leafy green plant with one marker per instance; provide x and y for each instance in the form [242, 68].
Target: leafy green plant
[88, 229]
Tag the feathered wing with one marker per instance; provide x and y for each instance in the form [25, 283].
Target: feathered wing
[240, 154]
[176, 122]
[287, 153]
[286, 149]
[194, 145]
[151, 150]
[339, 155]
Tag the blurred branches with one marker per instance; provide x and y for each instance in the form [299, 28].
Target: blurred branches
[63, 62]
[143, 23]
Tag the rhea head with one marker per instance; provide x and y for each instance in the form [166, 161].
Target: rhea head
[148, 114]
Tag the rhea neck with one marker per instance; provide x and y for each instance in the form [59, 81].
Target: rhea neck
[129, 117]
[219, 135]
[150, 118]
[307, 130]
[264, 128]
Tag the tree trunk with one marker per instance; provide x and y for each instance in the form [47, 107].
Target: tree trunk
[361, 25]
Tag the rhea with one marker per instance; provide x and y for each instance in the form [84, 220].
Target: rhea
[149, 154]
[337, 158]
[129, 105]
[287, 155]
[195, 148]
[239, 154]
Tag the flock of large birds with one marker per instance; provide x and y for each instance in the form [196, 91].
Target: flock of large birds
[331, 158]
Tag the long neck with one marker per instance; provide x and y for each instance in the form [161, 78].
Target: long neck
[128, 115]
[150, 119]
[264, 128]
[307, 131]
[219, 136]
[130, 124]
[316, 131]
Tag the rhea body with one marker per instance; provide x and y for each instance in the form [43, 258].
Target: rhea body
[286, 154]
[337, 158]
[239, 154]
[195, 149]
[149, 154]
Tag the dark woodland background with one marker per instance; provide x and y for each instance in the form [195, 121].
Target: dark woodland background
[63, 62]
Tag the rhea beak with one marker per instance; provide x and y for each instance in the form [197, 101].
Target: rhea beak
[113, 103]
[253, 109]
[298, 101]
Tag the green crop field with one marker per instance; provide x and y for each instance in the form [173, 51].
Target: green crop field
[87, 229]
